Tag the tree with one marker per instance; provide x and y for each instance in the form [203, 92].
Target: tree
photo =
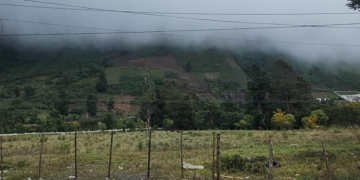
[149, 98]
[110, 121]
[228, 119]
[348, 114]
[242, 124]
[168, 124]
[309, 122]
[259, 87]
[246, 122]
[184, 111]
[322, 118]
[213, 109]
[101, 86]
[282, 120]
[62, 105]
[289, 89]
[111, 104]
[91, 105]
[354, 4]
[17, 92]
[259, 95]
[29, 91]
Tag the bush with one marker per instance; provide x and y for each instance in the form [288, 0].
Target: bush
[55, 114]
[170, 74]
[76, 111]
[29, 91]
[235, 163]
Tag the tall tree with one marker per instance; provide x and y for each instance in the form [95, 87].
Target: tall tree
[62, 105]
[111, 104]
[259, 88]
[290, 90]
[184, 111]
[149, 98]
[91, 105]
[101, 86]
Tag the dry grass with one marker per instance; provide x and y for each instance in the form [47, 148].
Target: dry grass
[21, 154]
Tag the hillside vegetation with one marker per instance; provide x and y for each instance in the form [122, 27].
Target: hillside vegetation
[195, 88]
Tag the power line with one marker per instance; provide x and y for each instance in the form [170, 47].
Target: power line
[140, 13]
[192, 30]
[224, 14]
[149, 14]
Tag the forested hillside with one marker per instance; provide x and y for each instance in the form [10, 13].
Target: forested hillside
[193, 88]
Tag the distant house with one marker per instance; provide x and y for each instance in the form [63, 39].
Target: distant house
[323, 99]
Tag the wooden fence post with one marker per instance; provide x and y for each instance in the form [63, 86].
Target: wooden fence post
[1, 157]
[218, 176]
[41, 152]
[149, 155]
[213, 157]
[111, 146]
[271, 161]
[325, 155]
[75, 143]
[181, 155]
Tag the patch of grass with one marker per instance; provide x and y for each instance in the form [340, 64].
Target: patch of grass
[130, 153]
[113, 74]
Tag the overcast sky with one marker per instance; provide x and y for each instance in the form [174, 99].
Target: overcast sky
[135, 22]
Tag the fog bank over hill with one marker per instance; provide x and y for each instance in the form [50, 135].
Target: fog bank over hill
[319, 42]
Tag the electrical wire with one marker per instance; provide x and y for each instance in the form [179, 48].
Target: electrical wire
[140, 13]
[215, 14]
[221, 29]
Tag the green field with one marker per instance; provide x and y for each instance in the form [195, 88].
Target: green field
[300, 161]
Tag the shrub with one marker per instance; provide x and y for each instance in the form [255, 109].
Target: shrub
[170, 74]
[235, 163]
